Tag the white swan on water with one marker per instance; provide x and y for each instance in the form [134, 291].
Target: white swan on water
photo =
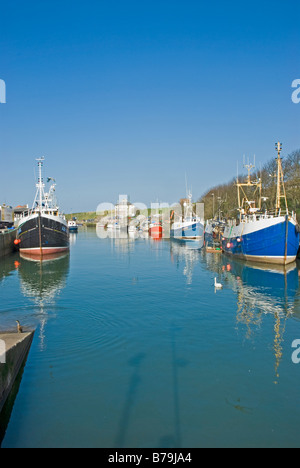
[218, 285]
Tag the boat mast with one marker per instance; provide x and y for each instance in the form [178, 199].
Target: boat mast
[280, 181]
[40, 186]
[249, 183]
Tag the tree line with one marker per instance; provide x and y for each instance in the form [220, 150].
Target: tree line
[222, 199]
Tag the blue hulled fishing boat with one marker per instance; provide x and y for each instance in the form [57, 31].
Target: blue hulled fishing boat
[188, 227]
[260, 234]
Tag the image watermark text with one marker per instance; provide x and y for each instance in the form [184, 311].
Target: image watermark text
[296, 93]
[296, 353]
[2, 92]
[126, 216]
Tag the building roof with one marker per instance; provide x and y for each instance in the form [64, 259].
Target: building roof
[20, 209]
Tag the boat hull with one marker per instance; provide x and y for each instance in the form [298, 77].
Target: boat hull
[208, 238]
[43, 235]
[156, 231]
[213, 232]
[271, 240]
[188, 231]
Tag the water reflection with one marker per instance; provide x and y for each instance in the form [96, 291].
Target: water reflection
[73, 239]
[187, 253]
[42, 280]
[124, 242]
[262, 290]
[8, 265]
[155, 346]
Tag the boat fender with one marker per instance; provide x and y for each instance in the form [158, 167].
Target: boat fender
[297, 228]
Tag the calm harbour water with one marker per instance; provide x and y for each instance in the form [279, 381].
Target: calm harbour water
[135, 348]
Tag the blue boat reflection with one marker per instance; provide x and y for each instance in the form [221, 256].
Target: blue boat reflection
[262, 290]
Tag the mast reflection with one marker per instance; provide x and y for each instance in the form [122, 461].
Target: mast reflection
[42, 280]
[121, 241]
[262, 290]
[187, 253]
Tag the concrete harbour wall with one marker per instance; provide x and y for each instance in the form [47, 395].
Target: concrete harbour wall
[14, 348]
[7, 242]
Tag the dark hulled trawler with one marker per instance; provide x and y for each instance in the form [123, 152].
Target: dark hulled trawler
[43, 230]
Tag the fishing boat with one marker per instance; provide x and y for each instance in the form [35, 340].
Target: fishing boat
[213, 232]
[261, 235]
[156, 227]
[214, 228]
[72, 225]
[189, 227]
[43, 230]
[156, 230]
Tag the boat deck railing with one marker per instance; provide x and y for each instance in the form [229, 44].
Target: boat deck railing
[52, 212]
[262, 215]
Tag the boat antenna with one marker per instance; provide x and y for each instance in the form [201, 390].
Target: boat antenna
[186, 186]
[249, 168]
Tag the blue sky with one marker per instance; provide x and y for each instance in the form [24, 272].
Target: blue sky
[129, 96]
